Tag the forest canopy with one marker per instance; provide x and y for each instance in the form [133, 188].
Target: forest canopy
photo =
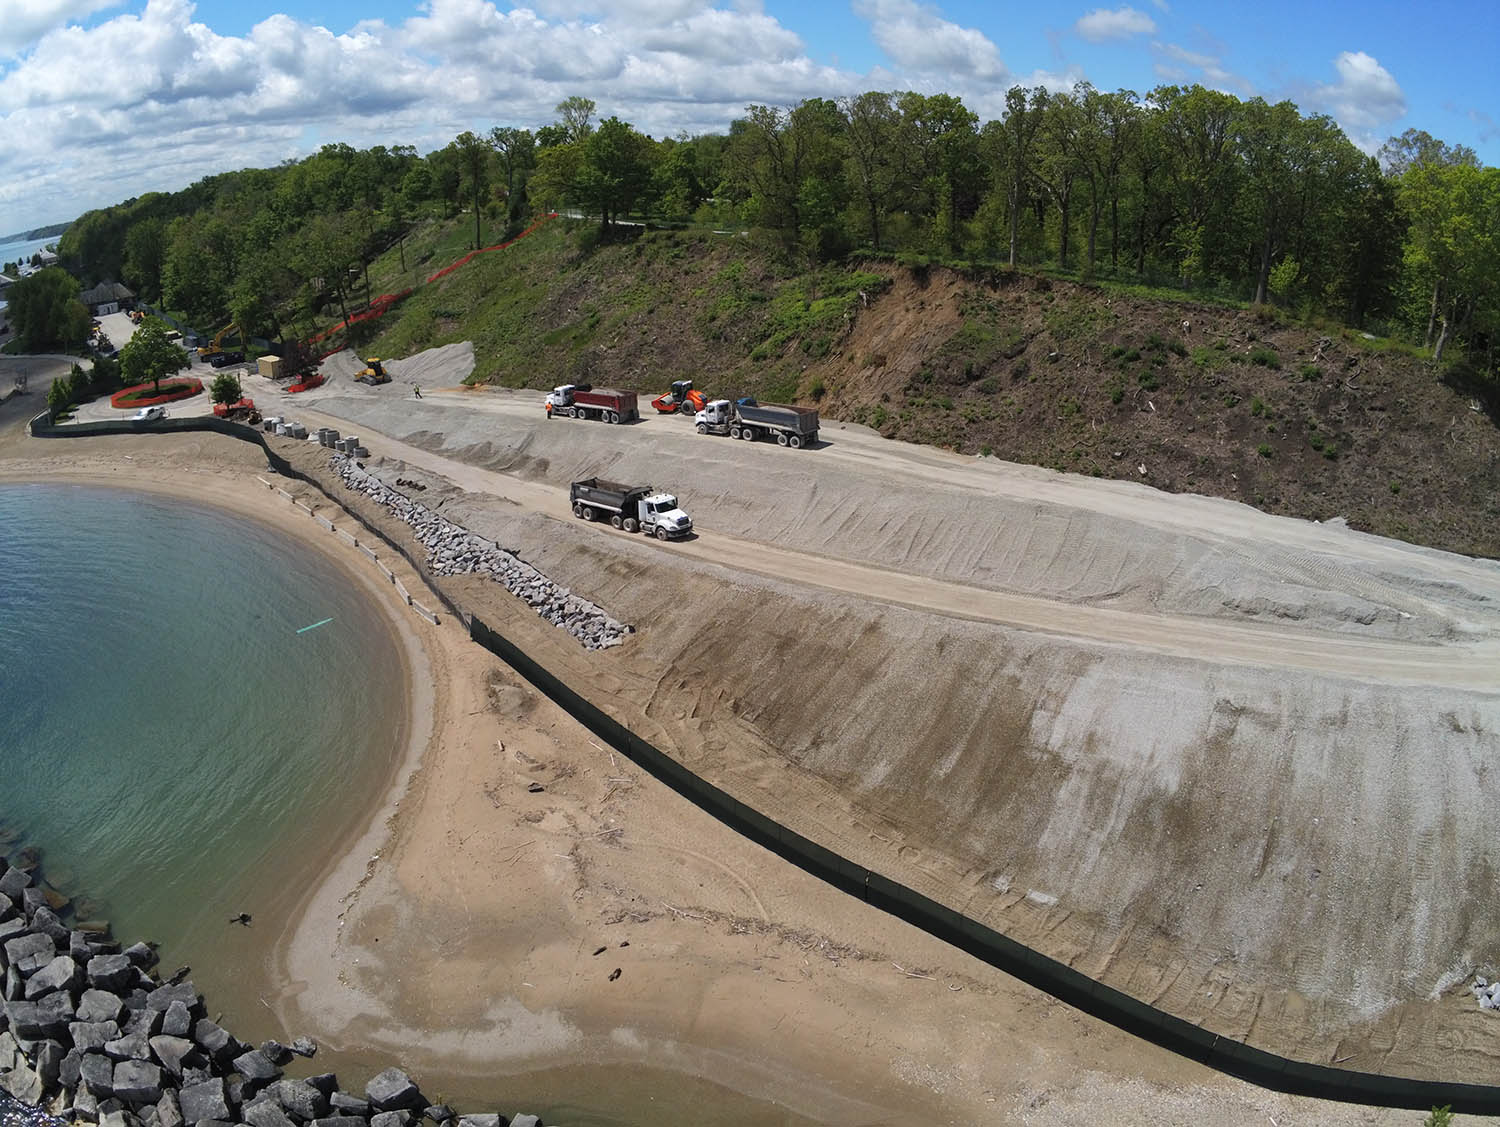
[1183, 186]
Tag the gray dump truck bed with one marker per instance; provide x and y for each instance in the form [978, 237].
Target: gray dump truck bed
[606, 494]
[783, 416]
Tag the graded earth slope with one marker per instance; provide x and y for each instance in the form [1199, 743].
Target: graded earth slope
[1240, 772]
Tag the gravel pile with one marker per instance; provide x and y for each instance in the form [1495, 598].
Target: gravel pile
[454, 550]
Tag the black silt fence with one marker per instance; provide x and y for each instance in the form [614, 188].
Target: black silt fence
[1224, 1054]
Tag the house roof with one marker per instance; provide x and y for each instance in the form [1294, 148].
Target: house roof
[106, 292]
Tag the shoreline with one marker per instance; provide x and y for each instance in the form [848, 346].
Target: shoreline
[738, 981]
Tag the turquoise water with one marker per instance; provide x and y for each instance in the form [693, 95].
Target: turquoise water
[180, 753]
[167, 738]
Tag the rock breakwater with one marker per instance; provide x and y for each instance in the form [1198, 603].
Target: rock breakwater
[90, 1032]
[454, 550]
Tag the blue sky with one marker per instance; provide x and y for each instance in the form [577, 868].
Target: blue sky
[105, 99]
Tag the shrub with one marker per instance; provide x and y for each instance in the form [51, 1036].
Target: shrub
[57, 397]
[1068, 406]
[1116, 389]
[1148, 380]
[1257, 407]
[1264, 450]
[225, 388]
[1155, 341]
[1177, 348]
[1265, 357]
[1310, 372]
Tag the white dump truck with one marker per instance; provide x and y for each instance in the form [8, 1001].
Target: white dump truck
[749, 420]
[630, 507]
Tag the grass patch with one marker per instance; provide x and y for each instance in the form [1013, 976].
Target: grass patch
[1263, 357]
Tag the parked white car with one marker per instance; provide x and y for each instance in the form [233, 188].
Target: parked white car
[147, 414]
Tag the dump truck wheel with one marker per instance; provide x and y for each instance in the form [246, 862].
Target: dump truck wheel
[795, 441]
[748, 435]
[616, 521]
[780, 439]
[579, 511]
[631, 524]
[702, 428]
[661, 533]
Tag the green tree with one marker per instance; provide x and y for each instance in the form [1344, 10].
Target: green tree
[615, 171]
[45, 312]
[576, 117]
[225, 388]
[145, 254]
[474, 165]
[1009, 146]
[149, 355]
[872, 129]
[517, 151]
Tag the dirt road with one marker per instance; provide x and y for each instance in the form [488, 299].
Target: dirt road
[1471, 664]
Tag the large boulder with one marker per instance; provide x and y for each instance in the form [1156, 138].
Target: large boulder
[393, 1090]
[48, 1016]
[30, 952]
[177, 1019]
[305, 1047]
[114, 973]
[391, 1119]
[68, 1074]
[61, 973]
[339, 1121]
[14, 883]
[345, 1103]
[97, 1073]
[490, 1119]
[168, 1113]
[164, 996]
[174, 1053]
[132, 1046]
[145, 1022]
[521, 1119]
[256, 1068]
[47, 921]
[91, 1036]
[216, 1041]
[301, 1100]
[265, 1113]
[22, 1083]
[137, 1082]
[99, 1005]
[204, 1100]
[142, 955]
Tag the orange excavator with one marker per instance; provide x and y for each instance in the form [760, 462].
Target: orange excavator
[682, 399]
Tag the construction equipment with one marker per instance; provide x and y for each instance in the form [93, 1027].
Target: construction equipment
[374, 372]
[242, 411]
[582, 401]
[746, 419]
[209, 351]
[681, 399]
[633, 508]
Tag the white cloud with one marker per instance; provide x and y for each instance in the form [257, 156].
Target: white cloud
[918, 38]
[1365, 96]
[1103, 25]
[1174, 63]
[156, 99]
[26, 21]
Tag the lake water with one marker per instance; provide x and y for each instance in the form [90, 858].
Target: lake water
[180, 753]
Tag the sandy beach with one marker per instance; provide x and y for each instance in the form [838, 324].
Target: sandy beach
[527, 921]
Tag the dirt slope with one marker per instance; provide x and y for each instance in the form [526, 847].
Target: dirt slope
[1310, 421]
[1289, 858]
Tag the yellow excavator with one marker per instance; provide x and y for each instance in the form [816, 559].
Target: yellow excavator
[208, 351]
[374, 372]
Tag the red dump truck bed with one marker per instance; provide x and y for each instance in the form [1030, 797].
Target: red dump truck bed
[611, 398]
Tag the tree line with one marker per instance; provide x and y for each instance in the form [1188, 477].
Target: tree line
[1182, 186]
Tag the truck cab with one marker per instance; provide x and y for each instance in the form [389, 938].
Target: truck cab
[716, 416]
[660, 515]
[561, 396]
